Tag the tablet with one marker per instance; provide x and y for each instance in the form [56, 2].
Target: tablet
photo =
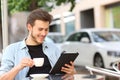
[65, 58]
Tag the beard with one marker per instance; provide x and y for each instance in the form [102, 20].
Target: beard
[35, 38]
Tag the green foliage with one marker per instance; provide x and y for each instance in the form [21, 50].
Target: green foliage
[28, 5]
[59, 2]
[18, 5]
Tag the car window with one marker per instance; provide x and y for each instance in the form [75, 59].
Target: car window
[103, 36]
[56, 37]
[74, 37]
[84, 35]
[78, 36]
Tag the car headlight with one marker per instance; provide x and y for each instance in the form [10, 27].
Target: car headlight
[114, 53]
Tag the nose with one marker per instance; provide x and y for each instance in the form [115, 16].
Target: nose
[44, 33]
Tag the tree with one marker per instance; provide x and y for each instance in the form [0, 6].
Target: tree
[29, 5]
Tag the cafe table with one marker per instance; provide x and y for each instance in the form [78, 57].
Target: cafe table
[88, 77]
[74, 77]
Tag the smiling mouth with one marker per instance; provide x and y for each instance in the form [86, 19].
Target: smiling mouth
[41, 38]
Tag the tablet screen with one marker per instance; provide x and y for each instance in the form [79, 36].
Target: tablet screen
[65, 58]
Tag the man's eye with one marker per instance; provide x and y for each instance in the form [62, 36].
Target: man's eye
[40, 29]
[46, 29]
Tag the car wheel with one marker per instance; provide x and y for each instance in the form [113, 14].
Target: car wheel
[98, 61]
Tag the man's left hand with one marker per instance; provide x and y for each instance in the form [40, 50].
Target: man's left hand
[69, 68]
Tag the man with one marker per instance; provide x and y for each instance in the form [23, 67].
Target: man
[17, 58]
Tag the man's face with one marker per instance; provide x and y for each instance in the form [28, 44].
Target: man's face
[39, 31]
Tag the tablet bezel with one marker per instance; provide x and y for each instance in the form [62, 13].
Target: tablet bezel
[65, 58]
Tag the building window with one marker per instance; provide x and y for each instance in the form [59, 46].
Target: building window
[113, 17]
[69, 24]
[55, 26]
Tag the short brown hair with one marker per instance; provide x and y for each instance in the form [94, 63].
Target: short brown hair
[38, 14]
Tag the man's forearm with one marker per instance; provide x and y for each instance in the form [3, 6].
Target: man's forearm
[11, 74]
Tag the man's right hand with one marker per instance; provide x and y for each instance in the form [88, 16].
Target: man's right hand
[25, 62]
[10, 75]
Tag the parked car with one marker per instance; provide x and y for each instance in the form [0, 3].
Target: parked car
[96, 47]
[56, 37]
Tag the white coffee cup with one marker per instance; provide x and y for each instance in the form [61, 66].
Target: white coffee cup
[38, 62]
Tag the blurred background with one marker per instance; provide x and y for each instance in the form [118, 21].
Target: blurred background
[68, 16]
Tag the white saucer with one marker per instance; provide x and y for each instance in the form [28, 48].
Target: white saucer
[39, 76]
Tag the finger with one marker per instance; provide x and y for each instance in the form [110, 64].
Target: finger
[66, 70]
[27, 62]
[69, 65]
[30, 62]
[72, 63]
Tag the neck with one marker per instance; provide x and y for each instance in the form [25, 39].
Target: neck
[30, 41]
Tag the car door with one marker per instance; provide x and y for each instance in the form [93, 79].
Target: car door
[75, 44]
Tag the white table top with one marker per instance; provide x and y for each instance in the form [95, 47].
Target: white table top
[87, 77]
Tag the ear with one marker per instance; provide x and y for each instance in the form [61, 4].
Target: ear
[29, 27]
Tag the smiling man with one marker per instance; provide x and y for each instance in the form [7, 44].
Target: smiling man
[17, 60]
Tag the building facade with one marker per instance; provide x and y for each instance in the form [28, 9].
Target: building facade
[87, 14]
